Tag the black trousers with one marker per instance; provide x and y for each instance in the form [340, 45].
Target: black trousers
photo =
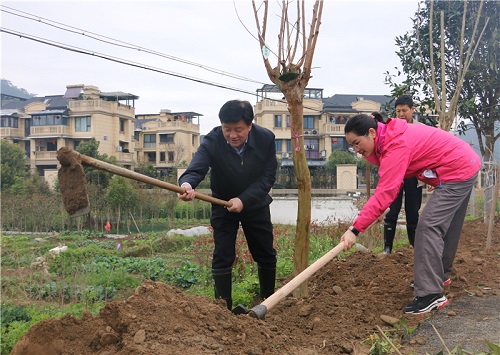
[258, 231]
[413, 201]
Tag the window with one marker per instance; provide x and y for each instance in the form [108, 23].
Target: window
[288, 145]
[308, 122]
[12, 122]
[76, 144]
[193, 140]
[277, 121]
[167, 138]
[288, 121]
[170, 157]
[162, 156]
[82, 124]
[151, 157]
[49, 120]
[279, 145]
[150, 141]
[312, 148]
[136, 135]
[339, 143]
[52, 146]
[122, 125]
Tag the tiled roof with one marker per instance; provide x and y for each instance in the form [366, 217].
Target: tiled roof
[343, 102]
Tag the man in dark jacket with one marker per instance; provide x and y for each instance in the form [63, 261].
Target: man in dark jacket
[242, 161]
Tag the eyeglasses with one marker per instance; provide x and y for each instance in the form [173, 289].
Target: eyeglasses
[353, 148]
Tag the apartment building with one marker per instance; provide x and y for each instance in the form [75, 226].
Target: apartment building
[324, 121]
[41, 125]
[271, 112]
[340, 107]
[168, 139]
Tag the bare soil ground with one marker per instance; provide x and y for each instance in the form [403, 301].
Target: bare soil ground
[347, 298]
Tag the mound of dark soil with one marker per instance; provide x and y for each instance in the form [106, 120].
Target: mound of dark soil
[346, 301]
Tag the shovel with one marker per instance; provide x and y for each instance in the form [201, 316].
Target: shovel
[73, 183]
[260, 310]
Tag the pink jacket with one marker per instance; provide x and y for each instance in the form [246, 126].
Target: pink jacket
[405, 150]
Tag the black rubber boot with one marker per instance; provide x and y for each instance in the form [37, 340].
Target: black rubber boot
[389, 233]
[223, 285]
[267, 280]
[410, 229]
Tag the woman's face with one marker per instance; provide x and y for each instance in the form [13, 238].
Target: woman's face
[364, 145]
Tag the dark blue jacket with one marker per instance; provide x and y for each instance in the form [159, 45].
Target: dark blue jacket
[250, 178]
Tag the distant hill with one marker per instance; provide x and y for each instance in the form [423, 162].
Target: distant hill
[9, 89]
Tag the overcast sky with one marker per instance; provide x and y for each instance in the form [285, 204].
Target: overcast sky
[355, 48]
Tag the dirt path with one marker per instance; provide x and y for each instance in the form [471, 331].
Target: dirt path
[468, 322]
[347, 298]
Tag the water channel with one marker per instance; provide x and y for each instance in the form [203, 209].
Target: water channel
[324, 210]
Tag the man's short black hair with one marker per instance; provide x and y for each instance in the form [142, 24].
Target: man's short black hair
[404, 100]
[235, 110]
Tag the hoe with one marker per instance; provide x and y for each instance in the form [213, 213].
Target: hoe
[260, 310]
[74, 184]
[75, 199]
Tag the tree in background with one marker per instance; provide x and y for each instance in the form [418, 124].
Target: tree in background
[14, 164]
[459, 73]
[337, 157]
[144, 167]
[90, 148]
[437, 53]
[291, 75]
[9, 89]
[121, 196]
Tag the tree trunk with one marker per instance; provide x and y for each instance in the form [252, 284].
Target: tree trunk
[493, 210]
[118, 220]
[303, 177]
[489, 177]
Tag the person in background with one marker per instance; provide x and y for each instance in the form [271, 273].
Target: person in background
[107, 226]
[242, 161]
[411, 189]
[439, 159]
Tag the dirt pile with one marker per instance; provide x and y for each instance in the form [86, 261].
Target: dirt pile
[346, 300]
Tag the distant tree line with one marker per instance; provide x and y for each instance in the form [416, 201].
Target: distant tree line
[29, 204]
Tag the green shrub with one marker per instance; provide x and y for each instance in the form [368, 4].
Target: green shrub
[246, 291]
[185, 275]
[174, 243]
[9, 313]
[70, 261]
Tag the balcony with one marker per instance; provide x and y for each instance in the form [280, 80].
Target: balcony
[44, 155]
[179, 124]
[49, 130]
[167, 144]
[124, 157]
[100, 105]
[333, 128]
[89, 105]
[10, 132]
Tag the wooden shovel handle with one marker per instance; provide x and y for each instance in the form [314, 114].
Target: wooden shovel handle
[281, 293]
[98, 164]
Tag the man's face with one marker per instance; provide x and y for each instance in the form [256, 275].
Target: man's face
[405, 112]
[236, 133]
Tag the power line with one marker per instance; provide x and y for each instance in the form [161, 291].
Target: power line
[119, 43]
[117, 60]
[130, 63]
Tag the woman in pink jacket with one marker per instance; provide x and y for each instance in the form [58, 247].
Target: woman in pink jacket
[440, 160]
